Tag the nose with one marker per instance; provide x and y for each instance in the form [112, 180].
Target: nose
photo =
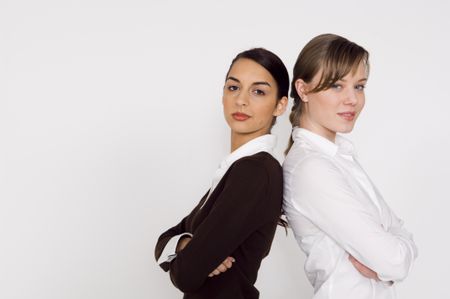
[242, 99]
[351, 97]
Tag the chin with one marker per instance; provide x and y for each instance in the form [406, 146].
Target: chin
[345, 129]
[240, 131]
[238, 128]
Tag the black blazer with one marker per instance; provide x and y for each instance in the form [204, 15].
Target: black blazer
[239, 219]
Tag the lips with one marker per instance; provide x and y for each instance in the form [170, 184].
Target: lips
[240, 116]
[347, 115]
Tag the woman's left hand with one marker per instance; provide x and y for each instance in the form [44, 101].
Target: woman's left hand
[365, 271]
[224, 266]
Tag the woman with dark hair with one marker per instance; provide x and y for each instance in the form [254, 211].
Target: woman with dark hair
[221, 243]
[356, 246]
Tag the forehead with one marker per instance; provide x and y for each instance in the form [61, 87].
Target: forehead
[248, 70]
[358, 72]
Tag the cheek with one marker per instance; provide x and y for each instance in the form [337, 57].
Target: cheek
[266, 111]
[325, 107]
[226, 103]
[362, 103]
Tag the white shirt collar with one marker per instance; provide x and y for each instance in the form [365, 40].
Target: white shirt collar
[341, 145]
[264, 143]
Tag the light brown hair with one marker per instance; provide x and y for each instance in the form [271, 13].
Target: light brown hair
[332, 55]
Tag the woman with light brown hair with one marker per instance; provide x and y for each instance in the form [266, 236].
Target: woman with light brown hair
[356, 246]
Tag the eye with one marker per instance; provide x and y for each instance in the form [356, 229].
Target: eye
[259, 92]
[232, 87]
[336, 86]
[360, 87]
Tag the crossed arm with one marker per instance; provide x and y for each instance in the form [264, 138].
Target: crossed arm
[221, 268]
[228, 262]
[322, 194]
[238, 211]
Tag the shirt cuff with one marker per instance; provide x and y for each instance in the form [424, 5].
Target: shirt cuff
[169, 251]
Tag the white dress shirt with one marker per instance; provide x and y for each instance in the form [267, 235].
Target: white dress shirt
[335, 210]
[264, 143]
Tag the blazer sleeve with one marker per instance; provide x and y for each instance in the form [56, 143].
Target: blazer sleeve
[239, 210]
[178, 229]
[322, 194]
[168, 235]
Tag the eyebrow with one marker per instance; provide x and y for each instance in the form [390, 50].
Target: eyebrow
[360, 80]
[254, 83]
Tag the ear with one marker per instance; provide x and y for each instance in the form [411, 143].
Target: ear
[281, 106]
[301, 88]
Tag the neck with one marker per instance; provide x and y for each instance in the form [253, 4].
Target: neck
[237, 140]
[306, 123]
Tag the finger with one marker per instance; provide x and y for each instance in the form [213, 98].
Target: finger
[227, 263]
[216, 272]
[222, 268]
[370, 275]
[231, 259]
[364, 270]
[367, 272]
[355, 263]
[353, 260]
[358, 266]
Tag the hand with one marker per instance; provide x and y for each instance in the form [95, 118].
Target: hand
[224, 266]
[365, 271]
[182, 243]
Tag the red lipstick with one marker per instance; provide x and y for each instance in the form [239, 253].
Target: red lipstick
[240, 116]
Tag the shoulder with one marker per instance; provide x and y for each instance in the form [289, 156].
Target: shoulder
[315, 181]
[260, 166]
[261, 175]
[262, 161]
[311, 167]
[304, 158]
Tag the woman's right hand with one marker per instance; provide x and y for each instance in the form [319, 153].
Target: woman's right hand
[365, 271]
[224, 266]
[182, 243]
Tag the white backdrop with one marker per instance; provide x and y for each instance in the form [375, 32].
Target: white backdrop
[111, 127]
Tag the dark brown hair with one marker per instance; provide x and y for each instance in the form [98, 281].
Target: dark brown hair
[273, 64]
[332, 55]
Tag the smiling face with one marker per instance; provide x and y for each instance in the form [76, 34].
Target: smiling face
[333, 110]
[250, 100]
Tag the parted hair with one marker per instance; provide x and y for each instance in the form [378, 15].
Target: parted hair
[334, 57]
